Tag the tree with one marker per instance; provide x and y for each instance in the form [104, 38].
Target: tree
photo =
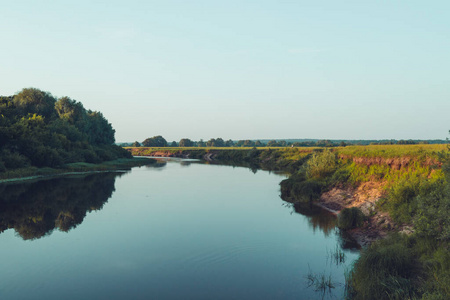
[229, 143]
[219, 142]
[186, 143]
[136, 144]
[201, 143]
[156, 141]
[272, 143]
[173, 144]
[99, 130]
[34, 101]
[72, 111]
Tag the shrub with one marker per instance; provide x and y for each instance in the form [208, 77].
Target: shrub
[321, 164]
[14, 160]
[307, 190]
[401, 199]
[384, 271]
[350, 218]
[340, 176]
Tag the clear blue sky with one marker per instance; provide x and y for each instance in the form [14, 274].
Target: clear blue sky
[238, 69]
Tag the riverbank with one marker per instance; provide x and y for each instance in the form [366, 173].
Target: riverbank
[392, 199]
[32, 173]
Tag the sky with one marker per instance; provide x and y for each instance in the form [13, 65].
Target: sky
[238, 69]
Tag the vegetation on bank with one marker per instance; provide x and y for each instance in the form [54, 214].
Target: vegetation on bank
[38, 132]
[159, 141]
[121, 164]
[414, 180]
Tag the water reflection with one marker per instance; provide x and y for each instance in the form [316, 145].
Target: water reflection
[160, 164]
[323, 220]
[318, 217]
[35, 209]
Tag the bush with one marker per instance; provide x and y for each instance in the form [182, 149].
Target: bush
[401, 197]
[90, 156]
[350, 218]
[340, 176]
[384, 271]
[14, 160]
[45, 156]
[321, 164]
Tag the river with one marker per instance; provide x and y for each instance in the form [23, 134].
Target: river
[175, 230]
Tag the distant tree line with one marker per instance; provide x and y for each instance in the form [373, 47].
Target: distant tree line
[36, 129]
[159, 141]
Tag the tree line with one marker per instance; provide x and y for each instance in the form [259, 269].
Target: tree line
[159, 141]
[38, 130]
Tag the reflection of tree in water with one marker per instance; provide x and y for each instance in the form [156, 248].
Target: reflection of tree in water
[324, 220]
[318, 217]
[159, 165]
[35, 209]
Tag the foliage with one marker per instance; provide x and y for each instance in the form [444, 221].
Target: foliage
[350, 218]
[186, 143]
[219, 142]
[321, 164]
[38, 130]
[156, 141]
[386, 270]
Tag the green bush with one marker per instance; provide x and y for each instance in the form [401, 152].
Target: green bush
[400, 200]
[13, 160]
[384, 271]
[321, 164]
[340, 176]
[350, 218]
[308, 190]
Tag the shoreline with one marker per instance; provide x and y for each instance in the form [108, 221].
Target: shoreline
[119, 165]
[29, 178]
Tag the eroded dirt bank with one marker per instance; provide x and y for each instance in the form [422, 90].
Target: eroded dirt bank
[365, 197]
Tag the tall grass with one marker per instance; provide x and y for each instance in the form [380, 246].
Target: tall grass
[386, 270]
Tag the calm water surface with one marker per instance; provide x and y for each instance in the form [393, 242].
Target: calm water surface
[180, 230]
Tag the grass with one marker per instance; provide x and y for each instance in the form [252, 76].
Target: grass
[320, 282]
[421, 151]
[336, 256]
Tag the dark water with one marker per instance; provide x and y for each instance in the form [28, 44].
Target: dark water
[180, 230]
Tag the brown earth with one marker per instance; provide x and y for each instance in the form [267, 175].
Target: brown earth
[365, 196]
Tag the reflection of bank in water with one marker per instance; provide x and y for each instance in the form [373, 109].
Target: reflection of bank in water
[325, 221]
[35, 209]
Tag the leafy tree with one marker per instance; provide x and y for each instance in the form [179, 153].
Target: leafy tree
[229, 143]
[272, 143]
[156, 141]
[136, 144]
[173, 144]
[99, 130]
[72, 111]
[35, 101]
[201, 143]
[186, 143]
[36, 130]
